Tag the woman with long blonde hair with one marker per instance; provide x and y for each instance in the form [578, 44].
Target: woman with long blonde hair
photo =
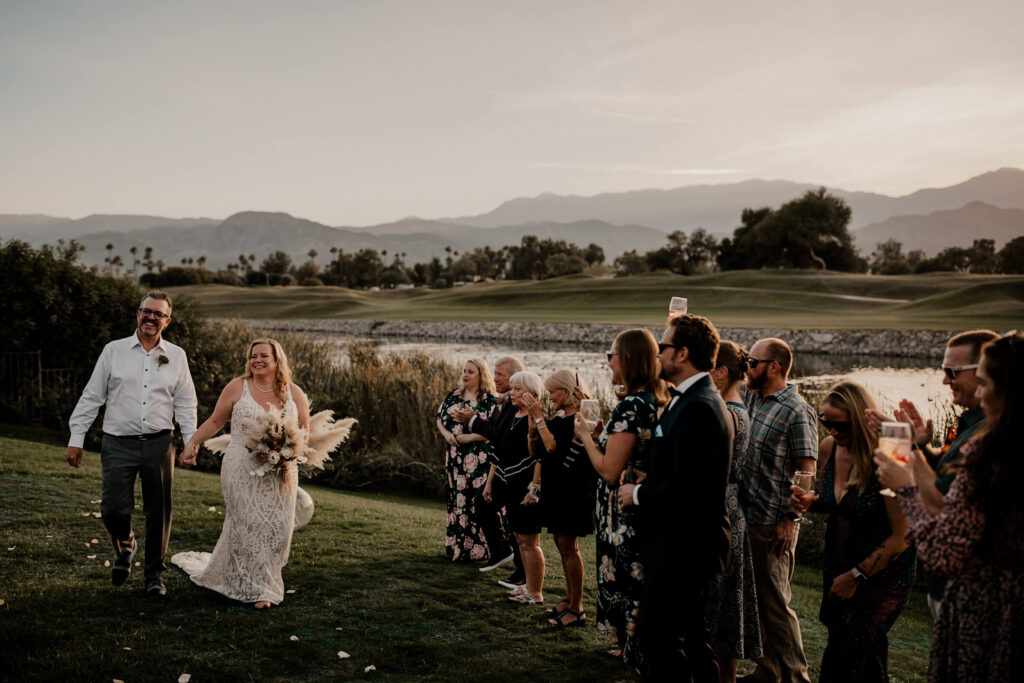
[621, 453]
[869, 566]
[259, 511]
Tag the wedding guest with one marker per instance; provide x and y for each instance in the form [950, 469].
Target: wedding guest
[568, 479]
[467, 461]
[732, 601]
[622, 453]
[783, 440]
[869, 568]
[520, 476]
[145, 384]
[259, 511]
[977, 538]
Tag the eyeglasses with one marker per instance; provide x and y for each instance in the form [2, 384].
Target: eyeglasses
[662, 347]
[159, 315]
[610, 355]
[840, 427]
[754, 362]
[953, 371]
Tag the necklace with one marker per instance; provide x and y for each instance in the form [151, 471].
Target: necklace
[265, 391]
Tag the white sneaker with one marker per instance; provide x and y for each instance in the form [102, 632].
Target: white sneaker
[498, 563]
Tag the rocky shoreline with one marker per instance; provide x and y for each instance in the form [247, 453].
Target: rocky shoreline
[896, 343]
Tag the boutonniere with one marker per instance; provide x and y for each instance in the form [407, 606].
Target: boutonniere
[161, 361]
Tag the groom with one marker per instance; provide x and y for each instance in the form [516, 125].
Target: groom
[684, 523]
[145, 383]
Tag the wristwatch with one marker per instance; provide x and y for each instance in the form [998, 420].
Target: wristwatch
[791, 516]
[859, 575]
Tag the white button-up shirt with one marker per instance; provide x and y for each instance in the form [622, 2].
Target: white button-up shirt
[142, 394]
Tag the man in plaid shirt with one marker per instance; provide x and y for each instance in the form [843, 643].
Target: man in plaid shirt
[783, 440]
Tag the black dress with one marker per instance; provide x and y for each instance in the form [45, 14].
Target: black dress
[514, 468]
[567, 482]
[858, 647]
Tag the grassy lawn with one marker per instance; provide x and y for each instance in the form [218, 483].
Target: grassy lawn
[369, 578]
[746, 299]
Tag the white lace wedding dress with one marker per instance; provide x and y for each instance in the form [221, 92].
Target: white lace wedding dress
[258, 519]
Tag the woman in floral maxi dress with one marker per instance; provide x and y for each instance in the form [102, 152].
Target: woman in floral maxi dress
[466, 463]
[623, 446]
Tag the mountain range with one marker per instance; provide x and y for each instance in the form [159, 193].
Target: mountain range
[990, 205]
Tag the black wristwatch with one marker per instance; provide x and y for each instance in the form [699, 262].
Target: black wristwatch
[859, 575]
[791, 516]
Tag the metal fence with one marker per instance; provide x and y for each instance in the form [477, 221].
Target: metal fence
[34, 394]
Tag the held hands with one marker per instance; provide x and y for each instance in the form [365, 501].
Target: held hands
[626, 496]
[843, 586]
[892, 473]
[188, 454]
[463, 415]
[74, 456]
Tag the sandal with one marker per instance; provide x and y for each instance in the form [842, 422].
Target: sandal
[579, 621]
[518, 590]
[558, 610]
[526, 598]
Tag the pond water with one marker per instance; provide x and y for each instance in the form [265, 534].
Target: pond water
[888, 379]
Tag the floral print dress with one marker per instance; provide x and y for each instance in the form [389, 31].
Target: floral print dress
[619, 571]
[466, 467]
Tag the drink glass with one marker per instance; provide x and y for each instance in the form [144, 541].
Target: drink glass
[804, 480]
[590, 412]
[894, 439]
[676, 306]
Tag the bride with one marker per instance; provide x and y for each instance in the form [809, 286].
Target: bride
[259, 510]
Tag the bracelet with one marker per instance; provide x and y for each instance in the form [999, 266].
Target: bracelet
[533, 489]
[542, 425]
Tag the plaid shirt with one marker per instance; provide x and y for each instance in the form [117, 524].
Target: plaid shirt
[782, 428]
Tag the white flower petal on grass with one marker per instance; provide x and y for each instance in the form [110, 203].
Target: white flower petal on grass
[294, 638]
[343, 655]
[127, 649]
[106, 563]
[369, 669]
[49, 535]
[338, 628]
[118, 680]
[90, 557]
[95, 541]
[97, 515]
[184, 678]
[211, 509]
[290, 590]
[138, 564]
[86, 514]
[12, 547]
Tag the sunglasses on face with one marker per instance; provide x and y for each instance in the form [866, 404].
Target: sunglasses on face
[159, 315]
[754, 362]
[610, 355]
[834, 426]
[952, 371]
[662, 347]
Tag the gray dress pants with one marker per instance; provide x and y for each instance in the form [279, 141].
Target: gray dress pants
[152, 460]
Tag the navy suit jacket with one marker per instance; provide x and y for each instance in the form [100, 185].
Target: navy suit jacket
[683, 513]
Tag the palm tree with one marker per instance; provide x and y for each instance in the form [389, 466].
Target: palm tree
[201, 261]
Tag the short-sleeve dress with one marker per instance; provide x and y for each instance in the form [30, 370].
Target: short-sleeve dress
[619, 571]
[466, 468]
[567, 482]
[732, 600]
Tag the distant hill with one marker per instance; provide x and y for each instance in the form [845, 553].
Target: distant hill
[261, 233]
[47, 229]
[941, 229]
[717, 208]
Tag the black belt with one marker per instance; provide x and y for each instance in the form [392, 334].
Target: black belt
[140, 437]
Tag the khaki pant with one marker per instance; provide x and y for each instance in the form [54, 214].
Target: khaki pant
[784, 658]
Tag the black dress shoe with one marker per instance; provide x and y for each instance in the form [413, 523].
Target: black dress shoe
[122, 566]
[155, 589]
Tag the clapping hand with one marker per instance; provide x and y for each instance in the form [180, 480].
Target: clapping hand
[922, 428]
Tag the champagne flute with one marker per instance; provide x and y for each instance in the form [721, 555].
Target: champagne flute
[676, 306]
[804, 480]
[590, 412]
[894, 439]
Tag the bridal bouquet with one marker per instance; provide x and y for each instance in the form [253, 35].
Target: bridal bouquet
[276, 440]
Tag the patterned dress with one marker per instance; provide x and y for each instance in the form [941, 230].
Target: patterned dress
[732, 601]
[858, 647]
[466, 467]
[981, 623]
[619, 572]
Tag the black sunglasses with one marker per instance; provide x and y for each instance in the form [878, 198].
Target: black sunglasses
[662, 347]
[610, 355]
[159, 315]
[754, 362]
[833, 426]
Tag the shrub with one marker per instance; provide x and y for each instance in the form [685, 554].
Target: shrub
[312, 282]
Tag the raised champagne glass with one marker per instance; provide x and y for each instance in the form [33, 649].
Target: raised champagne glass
[894, 439]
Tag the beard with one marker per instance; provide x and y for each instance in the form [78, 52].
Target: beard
[146, 331]
[755, 383]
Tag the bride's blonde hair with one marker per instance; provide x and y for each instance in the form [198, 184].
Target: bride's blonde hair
[283, 374]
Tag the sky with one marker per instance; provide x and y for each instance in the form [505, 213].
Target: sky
[357, 112]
